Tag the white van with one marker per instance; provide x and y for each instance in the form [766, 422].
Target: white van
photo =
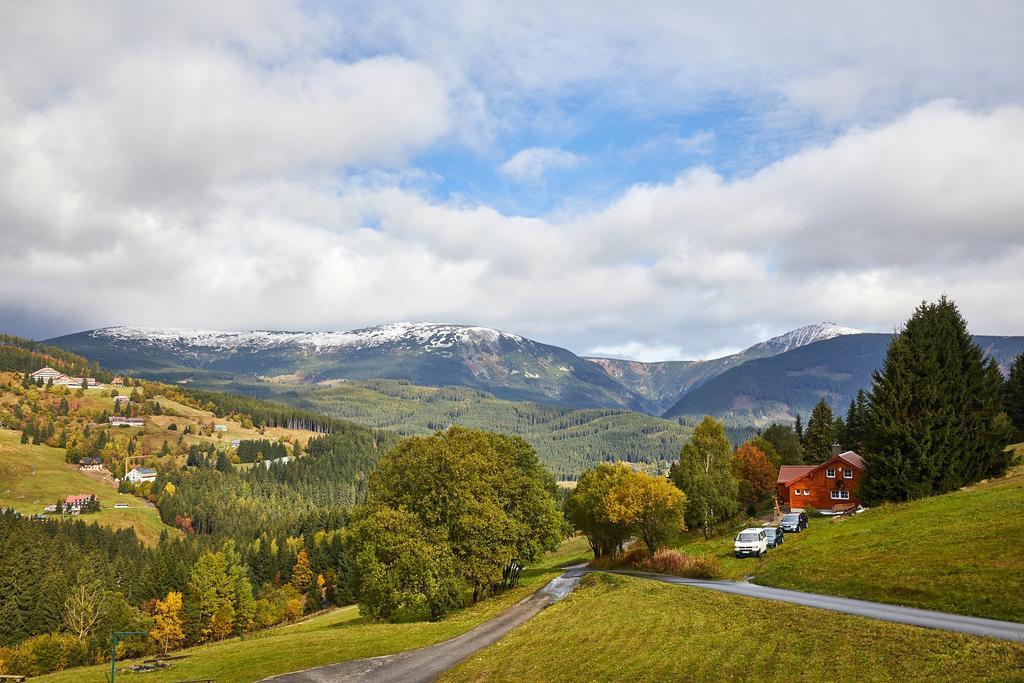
[751, 542]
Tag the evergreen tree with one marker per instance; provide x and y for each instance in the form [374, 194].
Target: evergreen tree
[857, 423]
[820, 434]
[1013, 395]
[798, 428]
[933, 410]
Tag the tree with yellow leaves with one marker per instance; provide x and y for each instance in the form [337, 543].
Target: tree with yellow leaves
[302, 572]
[167, 628]
[652, 507]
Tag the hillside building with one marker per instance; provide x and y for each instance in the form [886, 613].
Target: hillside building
[141, 475]
[832, 485]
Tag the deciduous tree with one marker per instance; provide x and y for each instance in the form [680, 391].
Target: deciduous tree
[704, 474]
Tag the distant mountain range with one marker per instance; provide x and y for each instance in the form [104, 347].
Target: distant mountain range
[771, 380]
[664, 383]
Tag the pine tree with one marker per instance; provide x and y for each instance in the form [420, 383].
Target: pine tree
[857, 423]
[820, 434]
[798, 428]
[1013, 395]
[932, 410]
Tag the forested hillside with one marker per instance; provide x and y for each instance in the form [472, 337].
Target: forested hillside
[567, 441]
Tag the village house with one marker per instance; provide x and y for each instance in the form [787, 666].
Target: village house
[90, 463]
[73, 504]
[235, 443]
[117, 382]
[118, 421]
[220, 428]
[140, 475]
[122, 399]
[832, 485]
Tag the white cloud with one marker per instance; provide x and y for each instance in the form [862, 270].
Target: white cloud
[249, 166]
[532, 163]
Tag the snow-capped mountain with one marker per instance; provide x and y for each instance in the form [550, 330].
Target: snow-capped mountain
[664, 383]
[430, 354]
[802, 336]
[406, 334]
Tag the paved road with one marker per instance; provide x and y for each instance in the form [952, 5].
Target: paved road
[975, 626]
[427, 664]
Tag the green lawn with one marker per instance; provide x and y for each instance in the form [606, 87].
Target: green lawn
[32, 477]
[617, 628]
[337, 636]
[948, 553]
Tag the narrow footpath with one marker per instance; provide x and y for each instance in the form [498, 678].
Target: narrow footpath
[428, 663]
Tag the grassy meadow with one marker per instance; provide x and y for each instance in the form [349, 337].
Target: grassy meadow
[336, 636]
[948, 553]
[616, 628]
[32, 477]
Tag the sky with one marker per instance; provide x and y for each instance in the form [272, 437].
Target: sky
[654, 180]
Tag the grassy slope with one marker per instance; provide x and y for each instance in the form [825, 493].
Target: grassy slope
[337, 636]
[946, 553]
[32, 477]
[619, 628]
[957, 553]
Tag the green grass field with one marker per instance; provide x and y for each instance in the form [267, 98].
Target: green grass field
[337, 636]
[32, 477]
[948, 553]
[616, 628]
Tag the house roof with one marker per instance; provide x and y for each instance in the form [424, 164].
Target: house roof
[791, 473]
[77, 499]
[788, 473]
[853, 458]
[143, 470]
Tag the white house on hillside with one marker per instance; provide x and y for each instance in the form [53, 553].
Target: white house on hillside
[140, 475]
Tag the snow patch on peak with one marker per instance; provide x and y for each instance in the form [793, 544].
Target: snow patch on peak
[809, 334]
[427, 335]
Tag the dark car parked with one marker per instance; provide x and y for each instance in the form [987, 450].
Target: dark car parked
[794, 522]
[776, 536]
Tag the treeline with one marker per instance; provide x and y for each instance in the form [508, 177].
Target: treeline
[66, 586]
[267, 414]
[229, 503]
[254, 450]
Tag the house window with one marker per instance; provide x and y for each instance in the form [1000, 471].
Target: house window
[847, 474]
[830, 473]
[796, 492]
[835, 495]
[845, 495]
[806, 492]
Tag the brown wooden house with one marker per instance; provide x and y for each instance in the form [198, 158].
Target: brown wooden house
[832, 485]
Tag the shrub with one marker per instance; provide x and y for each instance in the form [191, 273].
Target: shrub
[689, 566]
[630, 558]
[49, 652]
[812, 512]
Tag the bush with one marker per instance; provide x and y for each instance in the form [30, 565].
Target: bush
[49, 652]
[627, 559]
[812, 512]
[689, 566]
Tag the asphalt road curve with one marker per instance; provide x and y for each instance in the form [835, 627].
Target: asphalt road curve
[975, 626]
[428, 663]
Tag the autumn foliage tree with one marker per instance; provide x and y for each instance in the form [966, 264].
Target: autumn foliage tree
[651, 507]
[754, 473]
[704, 474]
[168, 629]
